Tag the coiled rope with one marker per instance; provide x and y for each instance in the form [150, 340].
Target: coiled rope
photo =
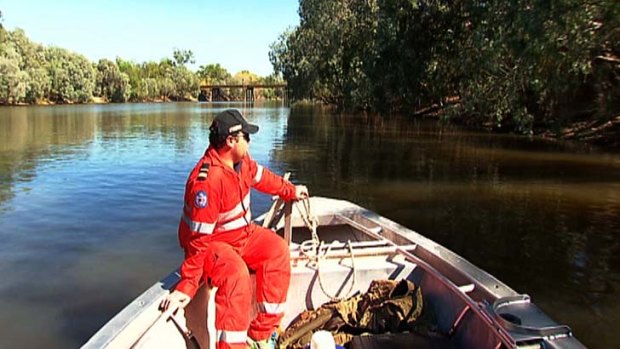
[312, 248]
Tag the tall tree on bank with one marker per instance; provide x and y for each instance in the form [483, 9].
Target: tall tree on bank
[112, 84]
[512, 64]
[213, 74]
[72, 76]
[327, 56]
[182, 57]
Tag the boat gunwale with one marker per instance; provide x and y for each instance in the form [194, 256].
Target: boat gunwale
[117, 325]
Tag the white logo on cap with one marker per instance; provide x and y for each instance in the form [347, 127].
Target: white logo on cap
[235, 128]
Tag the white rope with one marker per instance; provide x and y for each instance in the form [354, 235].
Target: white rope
[312, 249]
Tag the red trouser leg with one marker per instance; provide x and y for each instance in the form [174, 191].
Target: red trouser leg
[267, 254]
[224, 345]
[233, 300]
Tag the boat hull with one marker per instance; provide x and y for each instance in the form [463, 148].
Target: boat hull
[472, 308]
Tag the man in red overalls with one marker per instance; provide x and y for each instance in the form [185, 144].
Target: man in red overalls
[221, 243]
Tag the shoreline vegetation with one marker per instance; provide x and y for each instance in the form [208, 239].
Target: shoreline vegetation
[527, 67]
[35, 74]
[530, 67]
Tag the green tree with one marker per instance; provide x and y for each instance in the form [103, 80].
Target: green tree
[182, 57]
[13, 81]
[517, 64]
[112, 83]
[328, 55]
[186, 83]
[39, 85]
[166, 87]
[150, 69]
[2, 31]
[72, 76]
[213, 74]
[271, 93]
[287, 57]
[22, 79]
[135, 75]
[146, 90]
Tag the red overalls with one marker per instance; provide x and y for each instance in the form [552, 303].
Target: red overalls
[221, 243]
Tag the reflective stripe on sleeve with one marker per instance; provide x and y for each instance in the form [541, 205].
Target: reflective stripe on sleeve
[231, 336]
[271, 308]
[235, 223]
[259, 174]
[199, 227]
[237, 210]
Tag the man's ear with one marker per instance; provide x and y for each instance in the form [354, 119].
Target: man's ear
[230, 141]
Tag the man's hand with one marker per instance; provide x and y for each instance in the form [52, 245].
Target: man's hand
[176, 299]
[301, 192]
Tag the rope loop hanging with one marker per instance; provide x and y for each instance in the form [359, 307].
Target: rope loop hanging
[312, 248]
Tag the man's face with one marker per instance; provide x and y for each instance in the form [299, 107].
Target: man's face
[241, 145]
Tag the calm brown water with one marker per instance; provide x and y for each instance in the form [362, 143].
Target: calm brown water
[90, 197]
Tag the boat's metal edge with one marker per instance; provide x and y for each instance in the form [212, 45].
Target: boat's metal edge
[491, 284]
[109, 332]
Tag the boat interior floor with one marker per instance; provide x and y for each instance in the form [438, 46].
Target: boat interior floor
[400, 341]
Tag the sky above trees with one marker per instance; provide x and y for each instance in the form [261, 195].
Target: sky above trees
[235, 34]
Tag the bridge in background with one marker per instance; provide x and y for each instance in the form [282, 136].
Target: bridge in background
[216, 92]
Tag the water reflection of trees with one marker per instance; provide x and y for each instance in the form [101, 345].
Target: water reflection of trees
[541, 218]
[32, 136]
[166, 123]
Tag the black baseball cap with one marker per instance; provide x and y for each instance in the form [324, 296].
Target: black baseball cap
[230, 122]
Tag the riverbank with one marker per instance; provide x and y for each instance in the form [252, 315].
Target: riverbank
[93, 100]
[102, 100]
[600, 133]
[605, 134]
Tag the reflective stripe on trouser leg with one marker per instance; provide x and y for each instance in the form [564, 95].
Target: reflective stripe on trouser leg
[224, 345]
[231, 339]
[233, 300]
[268, 255]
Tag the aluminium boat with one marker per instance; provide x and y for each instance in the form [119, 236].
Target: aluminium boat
[337, 250]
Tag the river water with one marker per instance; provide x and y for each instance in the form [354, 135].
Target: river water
[90, 198]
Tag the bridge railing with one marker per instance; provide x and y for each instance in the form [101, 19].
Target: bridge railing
[215, 91]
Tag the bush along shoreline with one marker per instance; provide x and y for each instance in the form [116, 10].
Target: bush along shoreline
[528, 67]
[34, 74]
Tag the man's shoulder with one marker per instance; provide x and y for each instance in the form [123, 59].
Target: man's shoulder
[206, 175]
[247, 159]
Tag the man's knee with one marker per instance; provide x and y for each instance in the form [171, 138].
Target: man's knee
[277, 244]
[228, 267]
